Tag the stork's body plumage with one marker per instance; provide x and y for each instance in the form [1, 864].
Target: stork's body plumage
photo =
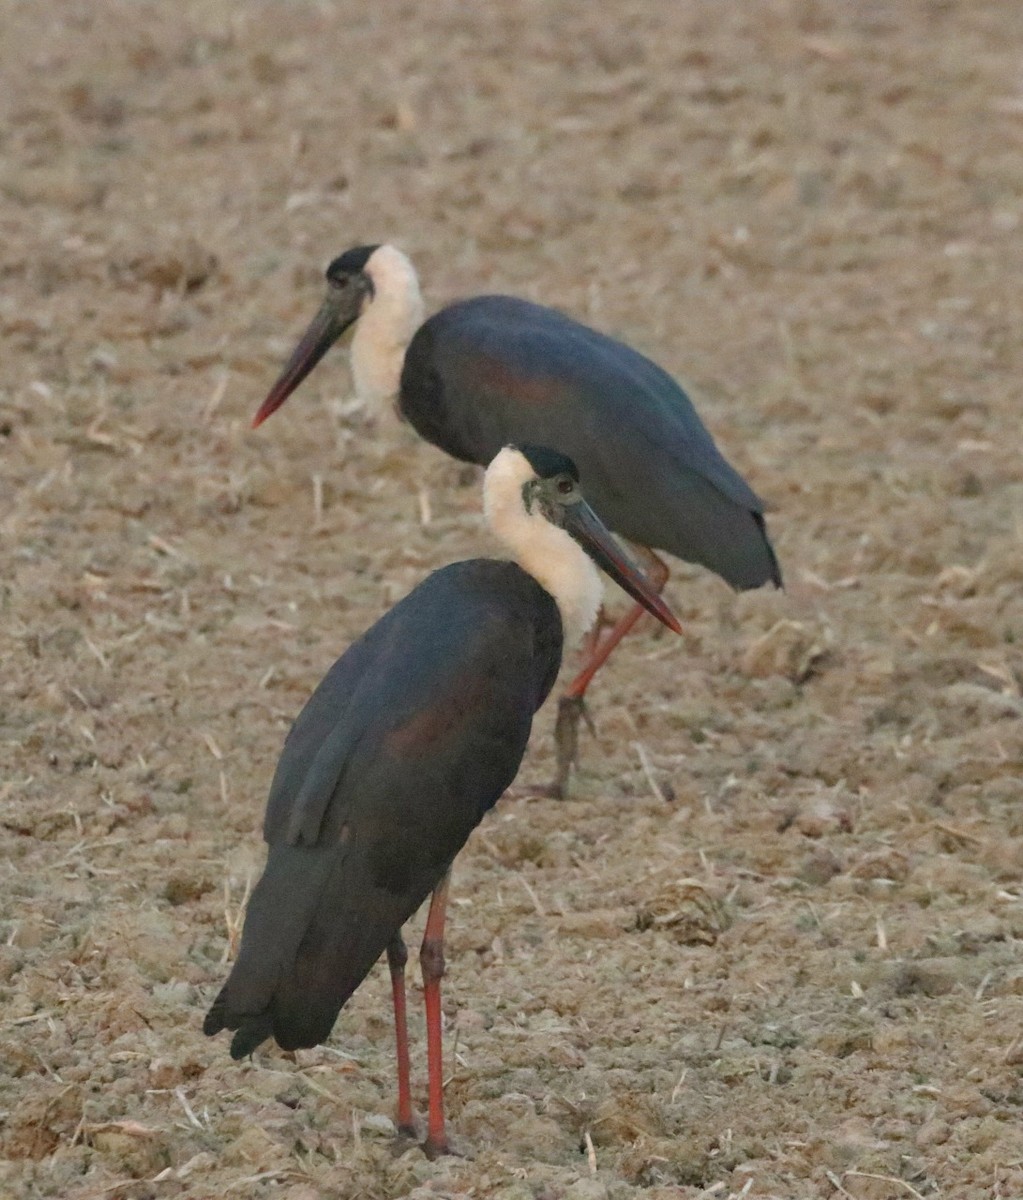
[402, 749]
[495, 369]
[405, 745]
[491, 370]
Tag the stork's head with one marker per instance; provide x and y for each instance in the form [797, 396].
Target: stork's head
[376, 286]
[534, 504]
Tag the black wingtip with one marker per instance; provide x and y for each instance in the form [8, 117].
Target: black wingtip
[775, 576]
[253, 1032]
[213, 1024]
[216, 1019]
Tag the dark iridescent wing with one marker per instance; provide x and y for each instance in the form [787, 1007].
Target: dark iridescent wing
[410, 738]
[495, 369]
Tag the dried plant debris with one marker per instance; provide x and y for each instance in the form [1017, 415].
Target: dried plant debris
[686, 910]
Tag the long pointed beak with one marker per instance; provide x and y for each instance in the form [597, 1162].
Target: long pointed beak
[591, 533]
[326, 327]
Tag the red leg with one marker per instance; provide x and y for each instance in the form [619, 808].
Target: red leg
[591, 639]
[397, 956]
[431, 961]
[570, 706]
[657, 570]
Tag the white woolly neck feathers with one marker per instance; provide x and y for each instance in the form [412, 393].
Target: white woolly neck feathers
[557, 562]
[389, 319]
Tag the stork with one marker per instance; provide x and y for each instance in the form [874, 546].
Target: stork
[409, 740]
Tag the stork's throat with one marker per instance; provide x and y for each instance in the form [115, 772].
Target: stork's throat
[516, 514]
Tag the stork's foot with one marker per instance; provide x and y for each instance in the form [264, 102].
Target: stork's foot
[436, 1148]
[566, 741]
[407, 1134]
[408, 1129]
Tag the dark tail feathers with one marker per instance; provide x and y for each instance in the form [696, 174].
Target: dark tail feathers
[252, 1031]
[316, 924]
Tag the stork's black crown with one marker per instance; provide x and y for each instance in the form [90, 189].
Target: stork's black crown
[350, 263]
[548, 463]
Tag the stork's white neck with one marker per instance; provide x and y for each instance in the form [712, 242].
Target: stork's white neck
[554, 559]
[389, 319]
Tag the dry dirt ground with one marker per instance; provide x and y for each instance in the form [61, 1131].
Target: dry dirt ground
[781, 958]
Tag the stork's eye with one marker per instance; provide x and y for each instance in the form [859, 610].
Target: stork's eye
[342, 282]
[566, 486]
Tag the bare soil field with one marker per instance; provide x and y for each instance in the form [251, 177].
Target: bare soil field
[771, 945]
